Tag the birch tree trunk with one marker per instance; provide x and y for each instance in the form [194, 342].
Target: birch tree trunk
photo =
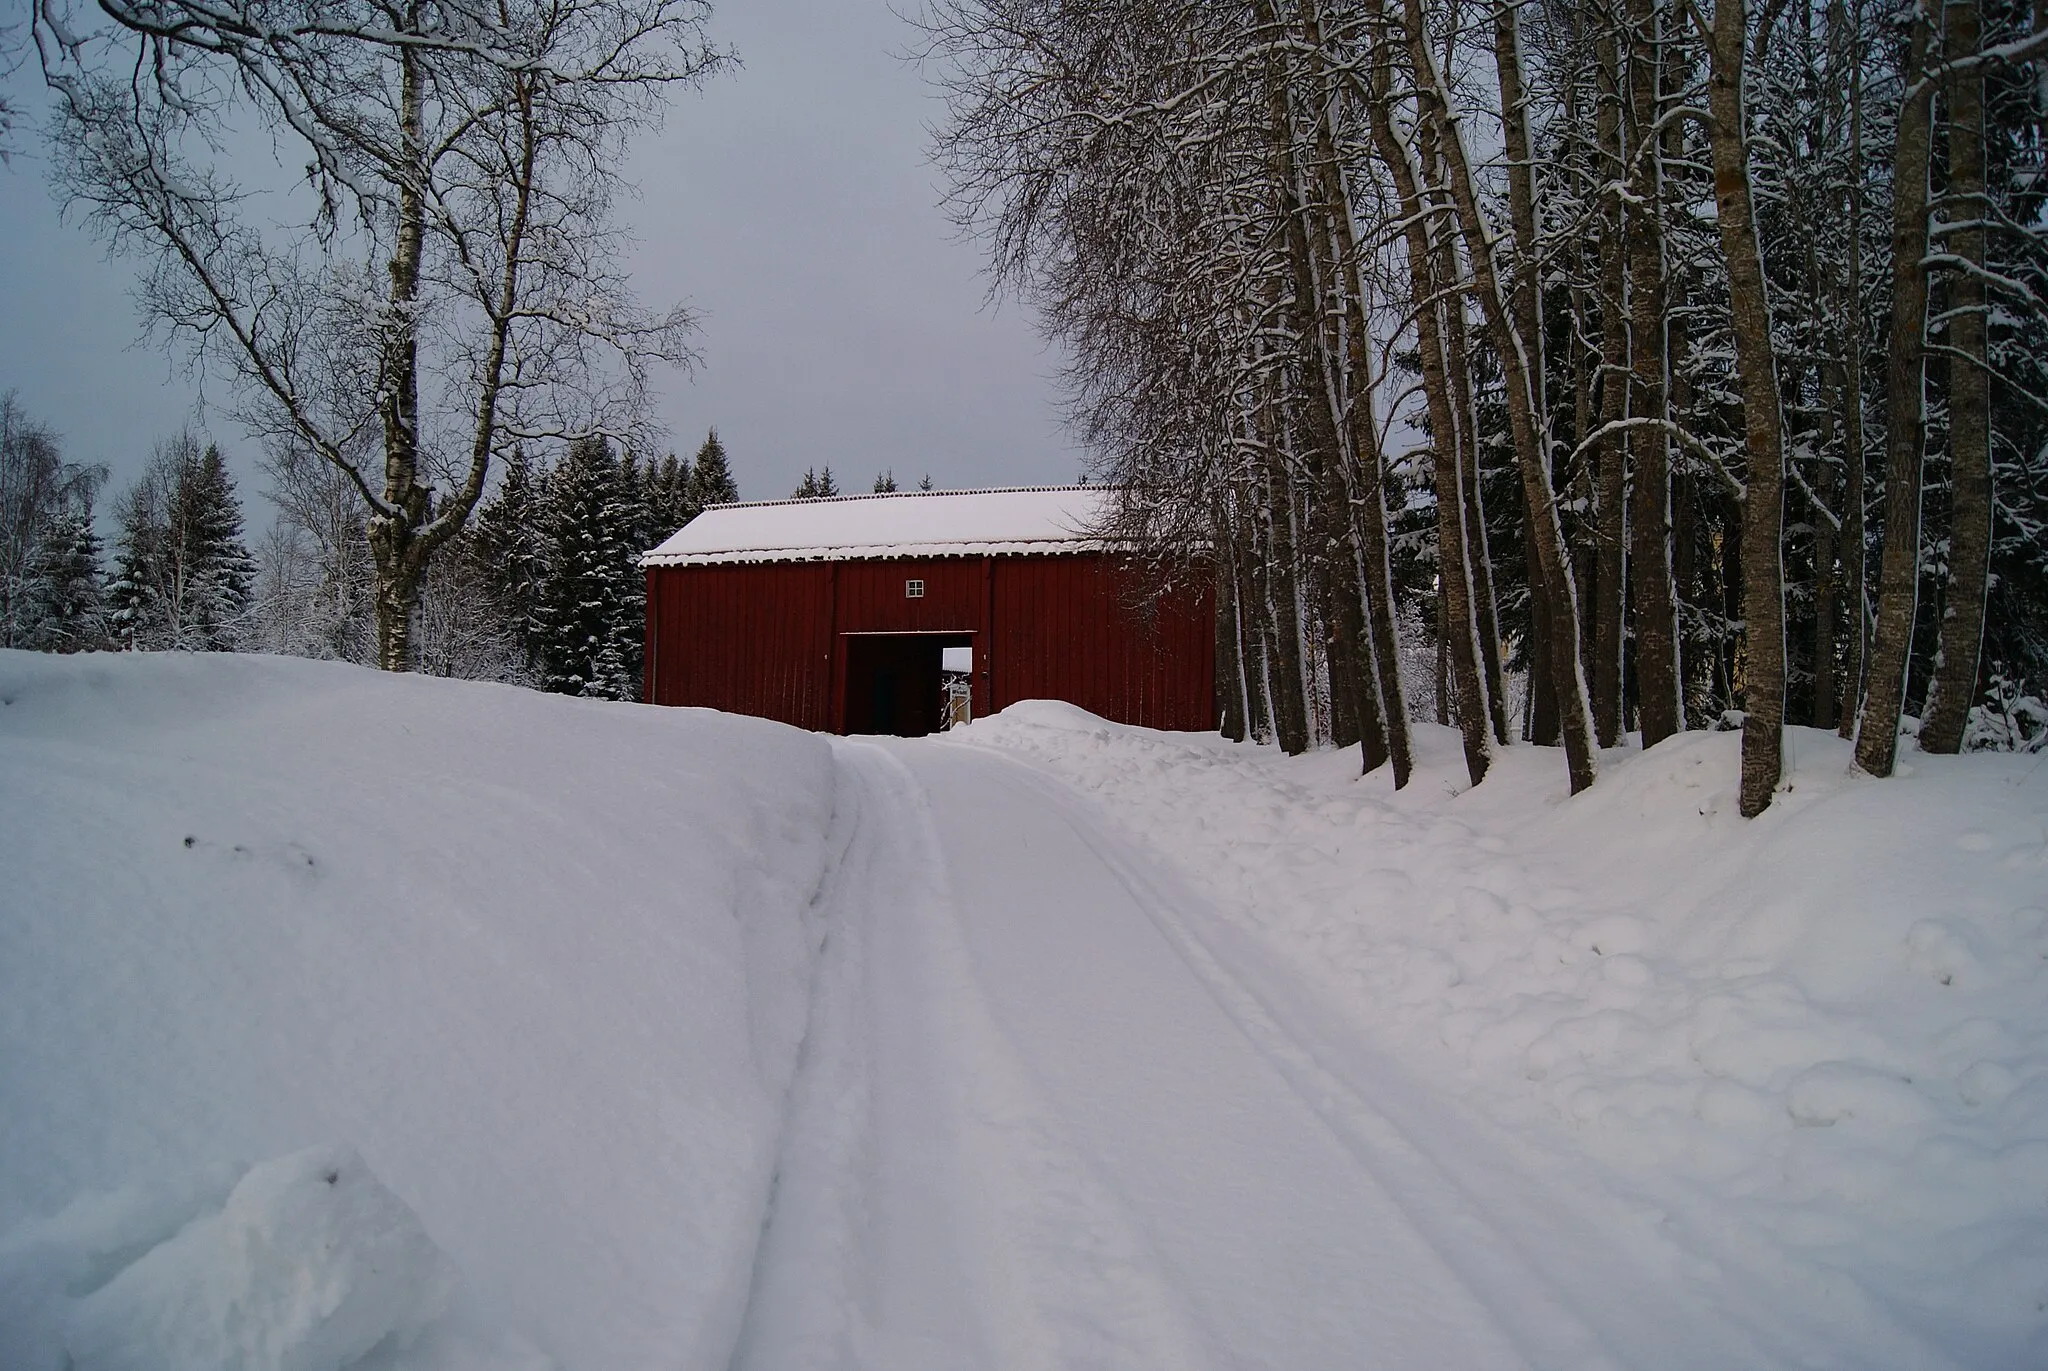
[1526, 420]
[1478, 554]
[1229, 660]
[1852, 552]
[1255, 613]
[1969, 401]
[1526, 309]
[1425, 256]
[1650, 566]
[391, 539]
[1763, 507]
[1877, 742]
[1610, 476]
[1456, 451]
[1251, 628]
[1825, 580]
[1365, 477]
[1290, 705]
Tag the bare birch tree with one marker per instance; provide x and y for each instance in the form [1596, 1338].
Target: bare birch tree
[446, 281]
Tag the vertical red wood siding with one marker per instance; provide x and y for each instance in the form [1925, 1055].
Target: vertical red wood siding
[765, 638]
[872, 598]
[748, 639]
[1064, 631]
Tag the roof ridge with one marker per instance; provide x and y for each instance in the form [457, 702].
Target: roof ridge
[892, 495]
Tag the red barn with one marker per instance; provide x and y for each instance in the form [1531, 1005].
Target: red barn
[836, 614]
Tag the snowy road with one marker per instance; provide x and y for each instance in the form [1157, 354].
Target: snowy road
[1051, 1111]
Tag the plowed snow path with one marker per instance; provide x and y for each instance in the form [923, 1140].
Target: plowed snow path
[1052, 1111]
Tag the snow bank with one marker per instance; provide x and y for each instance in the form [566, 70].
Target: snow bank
[543, 963]
[1818, 1037]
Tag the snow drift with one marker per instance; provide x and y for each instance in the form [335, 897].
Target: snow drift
[542, 963]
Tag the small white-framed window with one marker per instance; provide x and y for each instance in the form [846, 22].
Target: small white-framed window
[913, 590]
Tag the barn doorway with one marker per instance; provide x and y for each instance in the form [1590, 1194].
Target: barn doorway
[895, 682]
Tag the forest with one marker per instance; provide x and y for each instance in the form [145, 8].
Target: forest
[1658, 365]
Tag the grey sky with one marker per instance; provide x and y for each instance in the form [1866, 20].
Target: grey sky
[790, 203]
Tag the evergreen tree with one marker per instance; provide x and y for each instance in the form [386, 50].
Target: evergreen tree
[885, 482]
[711, 480]
[38, 489]
[590, 615]
[669, 498]
[926, 483]
[634, 481]
[131, 600]
[221, 572]
[183, 577]
[509, 546]
[65, 609]
[816, 485]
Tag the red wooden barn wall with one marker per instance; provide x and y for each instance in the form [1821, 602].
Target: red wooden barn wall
[759, 638]
[749, 639]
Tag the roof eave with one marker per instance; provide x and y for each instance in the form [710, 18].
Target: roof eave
[922, 552]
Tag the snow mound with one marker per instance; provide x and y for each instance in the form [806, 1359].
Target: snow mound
[545, 962]
[307, 1264]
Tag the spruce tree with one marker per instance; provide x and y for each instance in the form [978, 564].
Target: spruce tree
[885, 482]
[65, 608]
[183, 577]
[221, 573]
[711, 480]
[132, 607]
[38, 489]
[816, 485]
[590, 616]
[668, 499]
[636, 489]
[510, 547]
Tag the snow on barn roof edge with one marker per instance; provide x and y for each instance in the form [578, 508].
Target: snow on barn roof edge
[1013, 521]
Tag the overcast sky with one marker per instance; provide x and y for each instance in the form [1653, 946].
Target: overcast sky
[790, 203]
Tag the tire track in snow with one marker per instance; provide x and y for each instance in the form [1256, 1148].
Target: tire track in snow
[1254, 1210]
[926, 1209]
[809, 1220]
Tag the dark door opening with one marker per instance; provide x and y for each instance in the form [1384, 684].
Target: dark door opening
[895, 681]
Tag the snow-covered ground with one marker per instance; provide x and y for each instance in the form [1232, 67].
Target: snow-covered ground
[540, 963]
[1813, 1047]
[357, 1021]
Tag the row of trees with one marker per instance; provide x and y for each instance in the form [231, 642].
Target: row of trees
[1667, 352]
[181, 576]
[819, 483]
[544, 589]
[46, 531]
[555, 555]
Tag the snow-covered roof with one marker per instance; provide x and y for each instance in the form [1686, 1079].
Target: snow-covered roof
[916, 523]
